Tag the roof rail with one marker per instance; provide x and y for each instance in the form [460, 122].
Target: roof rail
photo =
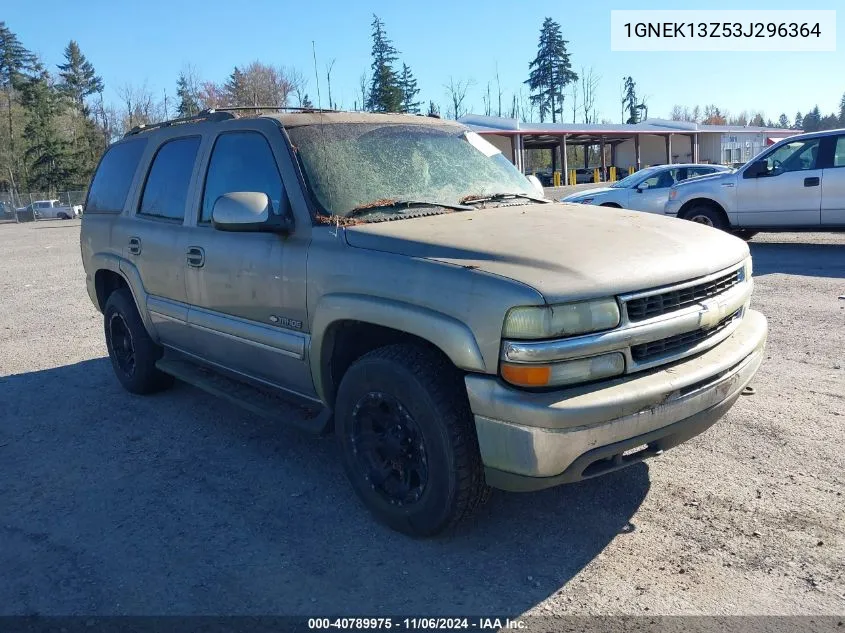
[205, 115]
[260, 107]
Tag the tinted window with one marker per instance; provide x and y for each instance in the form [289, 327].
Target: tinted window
[114, 176]
[242, 161]
[839, 152]
[166, 190]
[661, 180]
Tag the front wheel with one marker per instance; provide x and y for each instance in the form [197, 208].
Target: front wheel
[708, 216]
[408, 440]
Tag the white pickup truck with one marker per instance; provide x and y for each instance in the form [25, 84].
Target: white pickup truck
[796, 184]
[55, 209]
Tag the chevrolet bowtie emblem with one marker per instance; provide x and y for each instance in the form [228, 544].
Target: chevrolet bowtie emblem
[710, 315]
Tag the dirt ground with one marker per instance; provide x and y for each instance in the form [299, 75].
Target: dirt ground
[182, 504]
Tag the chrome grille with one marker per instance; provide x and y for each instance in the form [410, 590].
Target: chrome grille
[679, 342]
[654, 305]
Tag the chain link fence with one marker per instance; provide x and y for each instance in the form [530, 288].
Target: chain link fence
[23, 207]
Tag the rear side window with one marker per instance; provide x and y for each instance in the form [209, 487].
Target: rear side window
[166, 189]
[114, 176]
[242, 161]
[839, 152]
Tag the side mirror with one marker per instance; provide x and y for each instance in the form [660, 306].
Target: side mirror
[537, 185]
[642, 187]
[247, 211]
[756, 169]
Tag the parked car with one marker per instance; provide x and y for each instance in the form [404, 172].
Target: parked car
[644, 190]
[397, 278]
[53, 209]
[797, 183]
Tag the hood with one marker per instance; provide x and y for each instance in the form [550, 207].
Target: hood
[586, 193]
[564, 251]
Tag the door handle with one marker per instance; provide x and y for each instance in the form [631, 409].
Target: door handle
[135, 246]
[195, 257]
[812, 182]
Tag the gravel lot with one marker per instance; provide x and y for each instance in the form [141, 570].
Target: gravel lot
[182, 504]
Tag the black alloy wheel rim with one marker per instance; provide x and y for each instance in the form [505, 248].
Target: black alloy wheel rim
[122, 346]
[389, 449]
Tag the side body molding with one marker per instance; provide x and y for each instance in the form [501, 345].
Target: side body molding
[454, 338]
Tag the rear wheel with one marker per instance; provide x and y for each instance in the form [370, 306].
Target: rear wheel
[408, 439]
[132, 352]
[708, 216]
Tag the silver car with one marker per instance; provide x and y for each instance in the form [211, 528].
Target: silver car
[644, 190]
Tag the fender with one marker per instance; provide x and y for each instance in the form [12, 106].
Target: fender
[127, 270]
[451, 336]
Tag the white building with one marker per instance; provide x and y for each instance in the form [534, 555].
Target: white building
[652, 142]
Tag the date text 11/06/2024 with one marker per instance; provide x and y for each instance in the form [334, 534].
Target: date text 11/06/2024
[413, 624]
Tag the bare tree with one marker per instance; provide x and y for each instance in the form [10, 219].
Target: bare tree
[138, 106]
[457, 92]
[485, 99]
[299, 84]
[589, 84]
[211, 95]
[363, 83]
[573, 92]
[499, 90]
[329, 67]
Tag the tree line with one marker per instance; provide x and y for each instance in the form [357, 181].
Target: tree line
[56, 122]
[813, 121]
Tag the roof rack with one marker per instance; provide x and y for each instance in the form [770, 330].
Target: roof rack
[260, 107]
[216, 114]
[206, 115]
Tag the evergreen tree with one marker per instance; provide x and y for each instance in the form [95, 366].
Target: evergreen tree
[433, 110]
[799, 121]
[188, 96]
[235, 89]
[306, 102]
[385, 89]
[842, 111]
[757, 121]
[408, 84]
[78, 77]
[812, 120]
[783, 121]
[830, 122]
[550, 71]
[16, 64]
[52, 163]
[629, 100]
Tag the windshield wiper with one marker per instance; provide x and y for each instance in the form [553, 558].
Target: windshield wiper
[396, 206]
[495, 197]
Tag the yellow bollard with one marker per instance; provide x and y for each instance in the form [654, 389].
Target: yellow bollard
[632, 169]
[613, 174]
[572, 178]
[596, 175]
[556, 179]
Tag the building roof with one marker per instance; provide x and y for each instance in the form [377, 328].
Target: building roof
[484, 124]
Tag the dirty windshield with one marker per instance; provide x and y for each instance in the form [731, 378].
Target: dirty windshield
[355, 166]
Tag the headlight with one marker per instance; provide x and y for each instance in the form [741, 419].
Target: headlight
[585, 200]
[566, 319]
[748, 269]
[564, 373]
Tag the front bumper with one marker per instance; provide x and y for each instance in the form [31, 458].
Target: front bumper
[672, 207]
[537, 440]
